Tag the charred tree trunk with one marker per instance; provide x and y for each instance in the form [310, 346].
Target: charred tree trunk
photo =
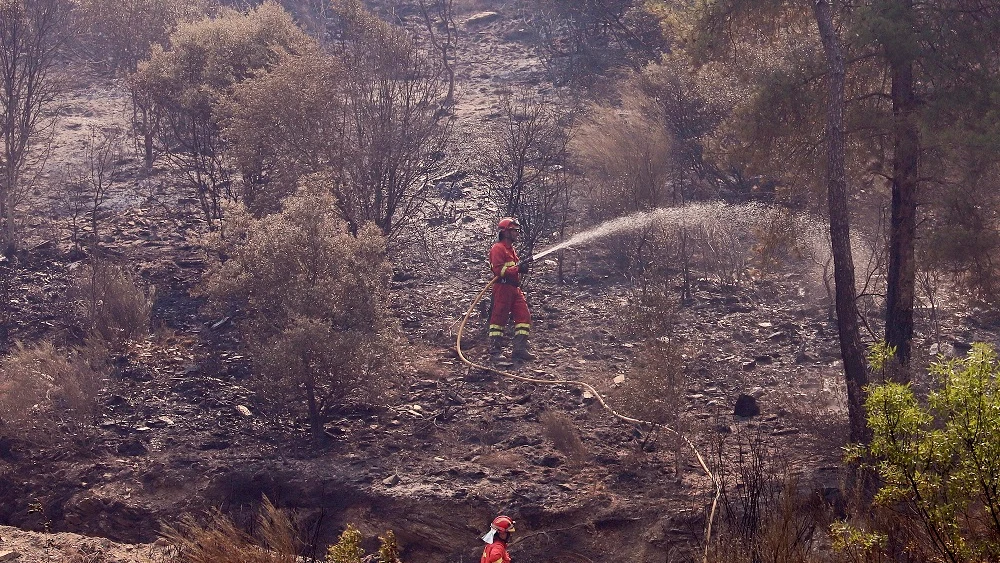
[851, 349]
[903, 228]
[315, 417]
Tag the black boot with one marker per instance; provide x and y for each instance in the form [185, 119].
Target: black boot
[521, 351]
[495, 347]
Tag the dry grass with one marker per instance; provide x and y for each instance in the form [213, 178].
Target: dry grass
[114, 306]
[42, 389]
[651, 310]
[219, 540]
[562, 432]
[501, 460]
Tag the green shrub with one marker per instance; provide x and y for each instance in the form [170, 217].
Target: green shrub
[316, 304]
[348, 548]
[939, 459]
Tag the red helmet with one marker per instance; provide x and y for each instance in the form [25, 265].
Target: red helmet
[503, 523]
[508, 223]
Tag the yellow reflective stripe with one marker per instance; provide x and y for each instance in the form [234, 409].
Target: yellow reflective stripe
[522, 325]
[524, 332]
[505, 266]
[497, 559]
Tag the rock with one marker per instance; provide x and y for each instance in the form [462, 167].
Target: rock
[588, 397]
[216, 444]
[746, 406]
[391, 480]
[243, 410]
[221, 323]
[520, 440]
[785, 431]
[549, 461]
[757, 392]
[519, 34]
[9, 555]
[132, 448]
[619, 379]
[747, 366]
[453, 175]
[161, 422]
[776, 335]
[961, 347]
[189, 262]
[482, 18]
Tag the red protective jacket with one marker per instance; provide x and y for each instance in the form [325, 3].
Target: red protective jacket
[508, 299]
[496, 551]
[503, 260]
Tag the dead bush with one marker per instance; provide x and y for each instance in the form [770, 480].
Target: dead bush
[282, 124]
[653, 391]
[628, 158]
[219, 540]
[650, 310]
[777, 240]
[117, 34]
[393, 91]
[764, 516]
[522, 159]
[560, 429]
[43, 390]
[584, 40]
[115, 307]
[789, 532]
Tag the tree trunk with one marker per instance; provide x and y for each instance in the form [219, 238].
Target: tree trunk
[147, 145]
[315, 419]
[851, 349]
[906, 153]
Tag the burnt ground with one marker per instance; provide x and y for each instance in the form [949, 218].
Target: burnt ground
[456, 445]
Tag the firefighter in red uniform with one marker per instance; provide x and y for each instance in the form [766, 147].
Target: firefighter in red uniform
[497, 538]
[508, 299]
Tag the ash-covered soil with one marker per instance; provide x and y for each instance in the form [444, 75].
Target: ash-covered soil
[182, 428]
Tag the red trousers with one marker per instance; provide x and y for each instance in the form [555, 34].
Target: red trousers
[508, 301]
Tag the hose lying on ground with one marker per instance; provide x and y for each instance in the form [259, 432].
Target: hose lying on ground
[600, 399]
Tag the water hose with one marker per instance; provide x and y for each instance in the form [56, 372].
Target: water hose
[600, 399]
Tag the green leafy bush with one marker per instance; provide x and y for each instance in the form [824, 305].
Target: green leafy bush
[939, 459]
